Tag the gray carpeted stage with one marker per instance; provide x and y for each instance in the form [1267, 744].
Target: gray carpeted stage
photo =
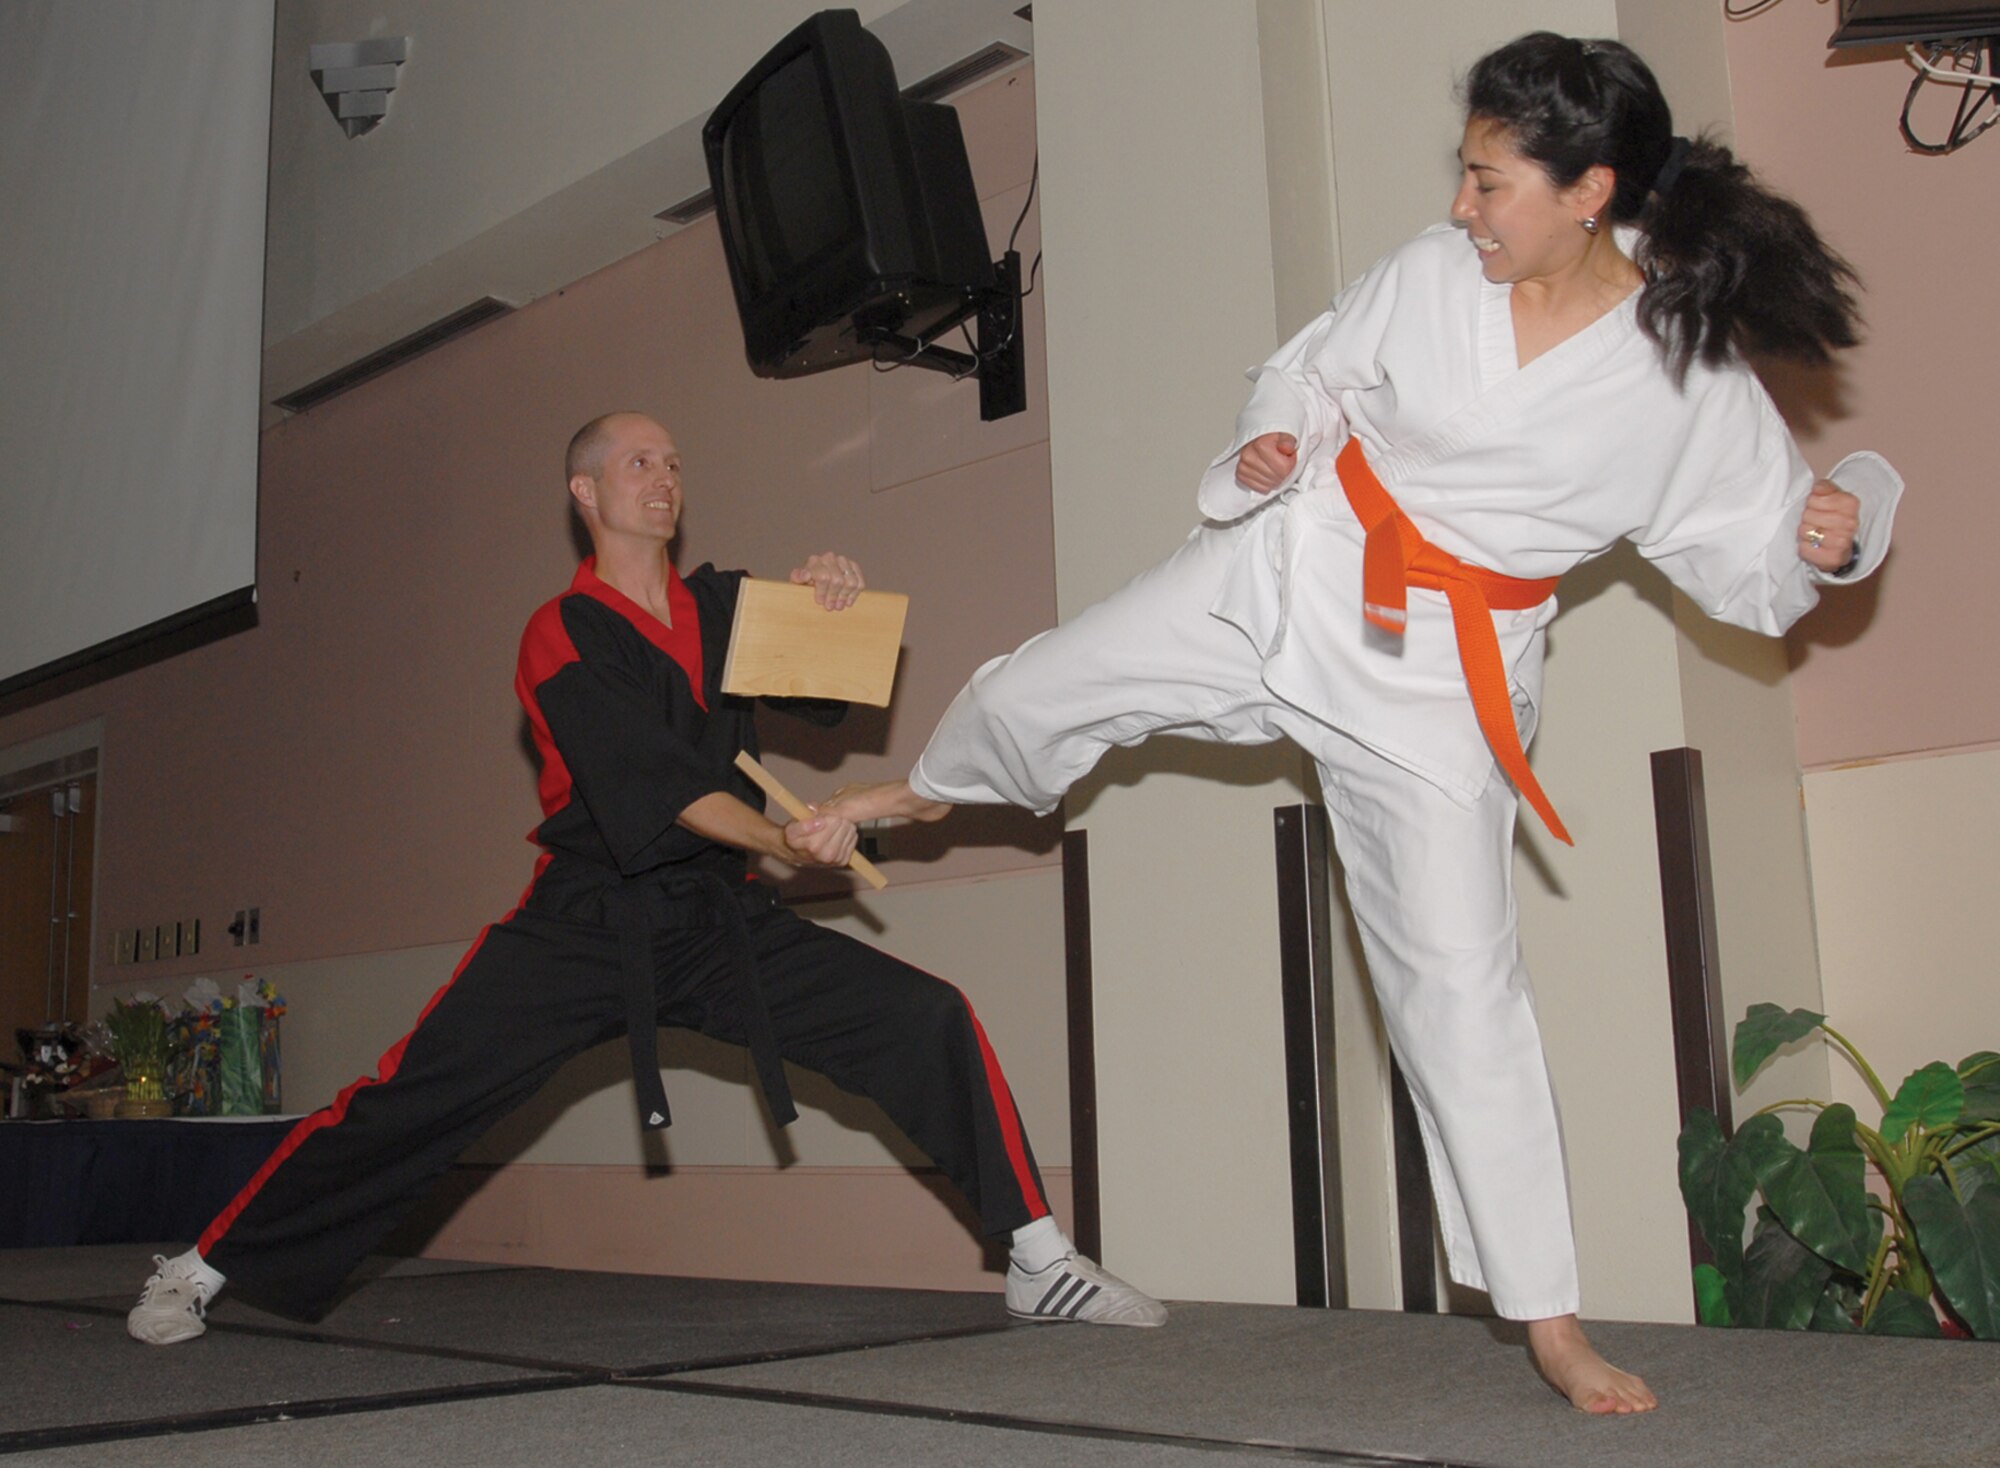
[448, 1364]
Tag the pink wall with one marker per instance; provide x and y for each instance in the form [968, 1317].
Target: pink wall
[1884, 669]
[356, 764]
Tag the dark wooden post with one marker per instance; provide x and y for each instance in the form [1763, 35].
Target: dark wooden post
[1312, 1102]
[1416, 1225]
[1694, 979]
[1086, 1221]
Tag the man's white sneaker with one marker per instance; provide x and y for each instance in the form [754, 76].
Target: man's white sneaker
[1073, 1288]
[173, 1307]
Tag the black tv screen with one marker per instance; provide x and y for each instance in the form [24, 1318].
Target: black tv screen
[848, 215]
[785, 200]
[1880, 22]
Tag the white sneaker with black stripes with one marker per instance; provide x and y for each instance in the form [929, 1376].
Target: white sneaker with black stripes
[1073, 1288]
[173, 1307]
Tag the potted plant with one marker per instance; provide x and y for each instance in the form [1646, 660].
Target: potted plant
[1827, 1251]
[138, 1030]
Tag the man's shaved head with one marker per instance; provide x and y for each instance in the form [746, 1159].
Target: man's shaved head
[588, 443]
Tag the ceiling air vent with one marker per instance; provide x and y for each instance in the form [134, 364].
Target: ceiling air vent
[458, 323]
[962, 74]
[693, 207]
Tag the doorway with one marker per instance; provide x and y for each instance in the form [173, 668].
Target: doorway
[48, 843]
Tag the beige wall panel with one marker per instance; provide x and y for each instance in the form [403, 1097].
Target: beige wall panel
[1158, 274]
[1298, 154]
[1306, 272]
[1905, 856]
[1396, 119]
[1684, 46]
[1156, 215]
[1736, 697]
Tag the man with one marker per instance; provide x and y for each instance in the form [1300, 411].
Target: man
[640, 914]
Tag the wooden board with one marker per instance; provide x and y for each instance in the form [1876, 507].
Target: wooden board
[784, 643]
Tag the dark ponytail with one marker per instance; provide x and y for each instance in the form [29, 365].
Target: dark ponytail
[1730, 266]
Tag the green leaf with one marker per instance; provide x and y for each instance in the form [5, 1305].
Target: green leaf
[1930, 1097]
[1781, 1283]
[1982, 1101]
[1830, 1314]
[1763, 1143]
[1819, 1197]
[1981, 1073]
[1977, 1167]
[1711, 1295]
[1961, 1243]
[1977, 1061]
[1718, 1178]
[1764, 1029]
[1899, 1312]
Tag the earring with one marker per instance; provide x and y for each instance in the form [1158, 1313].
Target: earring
[1589, 224]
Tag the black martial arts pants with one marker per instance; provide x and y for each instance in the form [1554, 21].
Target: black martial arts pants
[534, 991]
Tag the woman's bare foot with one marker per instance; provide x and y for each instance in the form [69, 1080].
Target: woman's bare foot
[1570, 1364]
[883, 800]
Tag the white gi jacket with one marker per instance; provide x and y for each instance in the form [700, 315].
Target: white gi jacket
[1523, 470]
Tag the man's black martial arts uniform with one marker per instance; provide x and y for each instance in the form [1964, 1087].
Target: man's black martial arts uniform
[631, 921]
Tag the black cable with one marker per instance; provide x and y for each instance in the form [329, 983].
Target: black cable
[1973, 96]
[972, 349]
[1034, 177]
[1014, 328]
[1034, 174]
[1757, 7]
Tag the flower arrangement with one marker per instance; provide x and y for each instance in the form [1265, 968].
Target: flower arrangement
[248, 1026]
[57, 1059]
[197, 1076]
[138, 1029]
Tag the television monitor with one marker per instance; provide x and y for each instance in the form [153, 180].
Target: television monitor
[1881, 22]
[848, 213]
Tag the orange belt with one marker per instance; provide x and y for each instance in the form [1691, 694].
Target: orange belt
[1397, 557]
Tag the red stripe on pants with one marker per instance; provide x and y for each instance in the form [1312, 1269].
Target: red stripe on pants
[387, 1067]
[1010, 1120]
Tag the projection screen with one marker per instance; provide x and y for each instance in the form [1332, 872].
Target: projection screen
[134, 138]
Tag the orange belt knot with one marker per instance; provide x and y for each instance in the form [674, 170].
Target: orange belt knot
[1396, 557]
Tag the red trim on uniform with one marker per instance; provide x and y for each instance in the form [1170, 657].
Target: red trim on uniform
[1010, 1119]
[681, 641]
[546, 650]
[326, 1116]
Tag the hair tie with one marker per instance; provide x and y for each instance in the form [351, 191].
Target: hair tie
[1670, 171]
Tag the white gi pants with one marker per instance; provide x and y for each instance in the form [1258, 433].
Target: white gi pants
[1430, 882]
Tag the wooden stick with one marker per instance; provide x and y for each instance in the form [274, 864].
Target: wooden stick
[800, 811]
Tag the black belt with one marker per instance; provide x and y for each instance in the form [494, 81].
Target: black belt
[683, 900]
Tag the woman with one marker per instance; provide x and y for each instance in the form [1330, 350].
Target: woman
[1487, 407]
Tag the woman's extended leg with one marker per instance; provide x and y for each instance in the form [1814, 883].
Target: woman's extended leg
[1148, 659]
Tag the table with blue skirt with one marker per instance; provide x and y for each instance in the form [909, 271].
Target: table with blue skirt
[119, 1182]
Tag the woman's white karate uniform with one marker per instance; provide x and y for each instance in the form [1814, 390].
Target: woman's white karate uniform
[1253, 630]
